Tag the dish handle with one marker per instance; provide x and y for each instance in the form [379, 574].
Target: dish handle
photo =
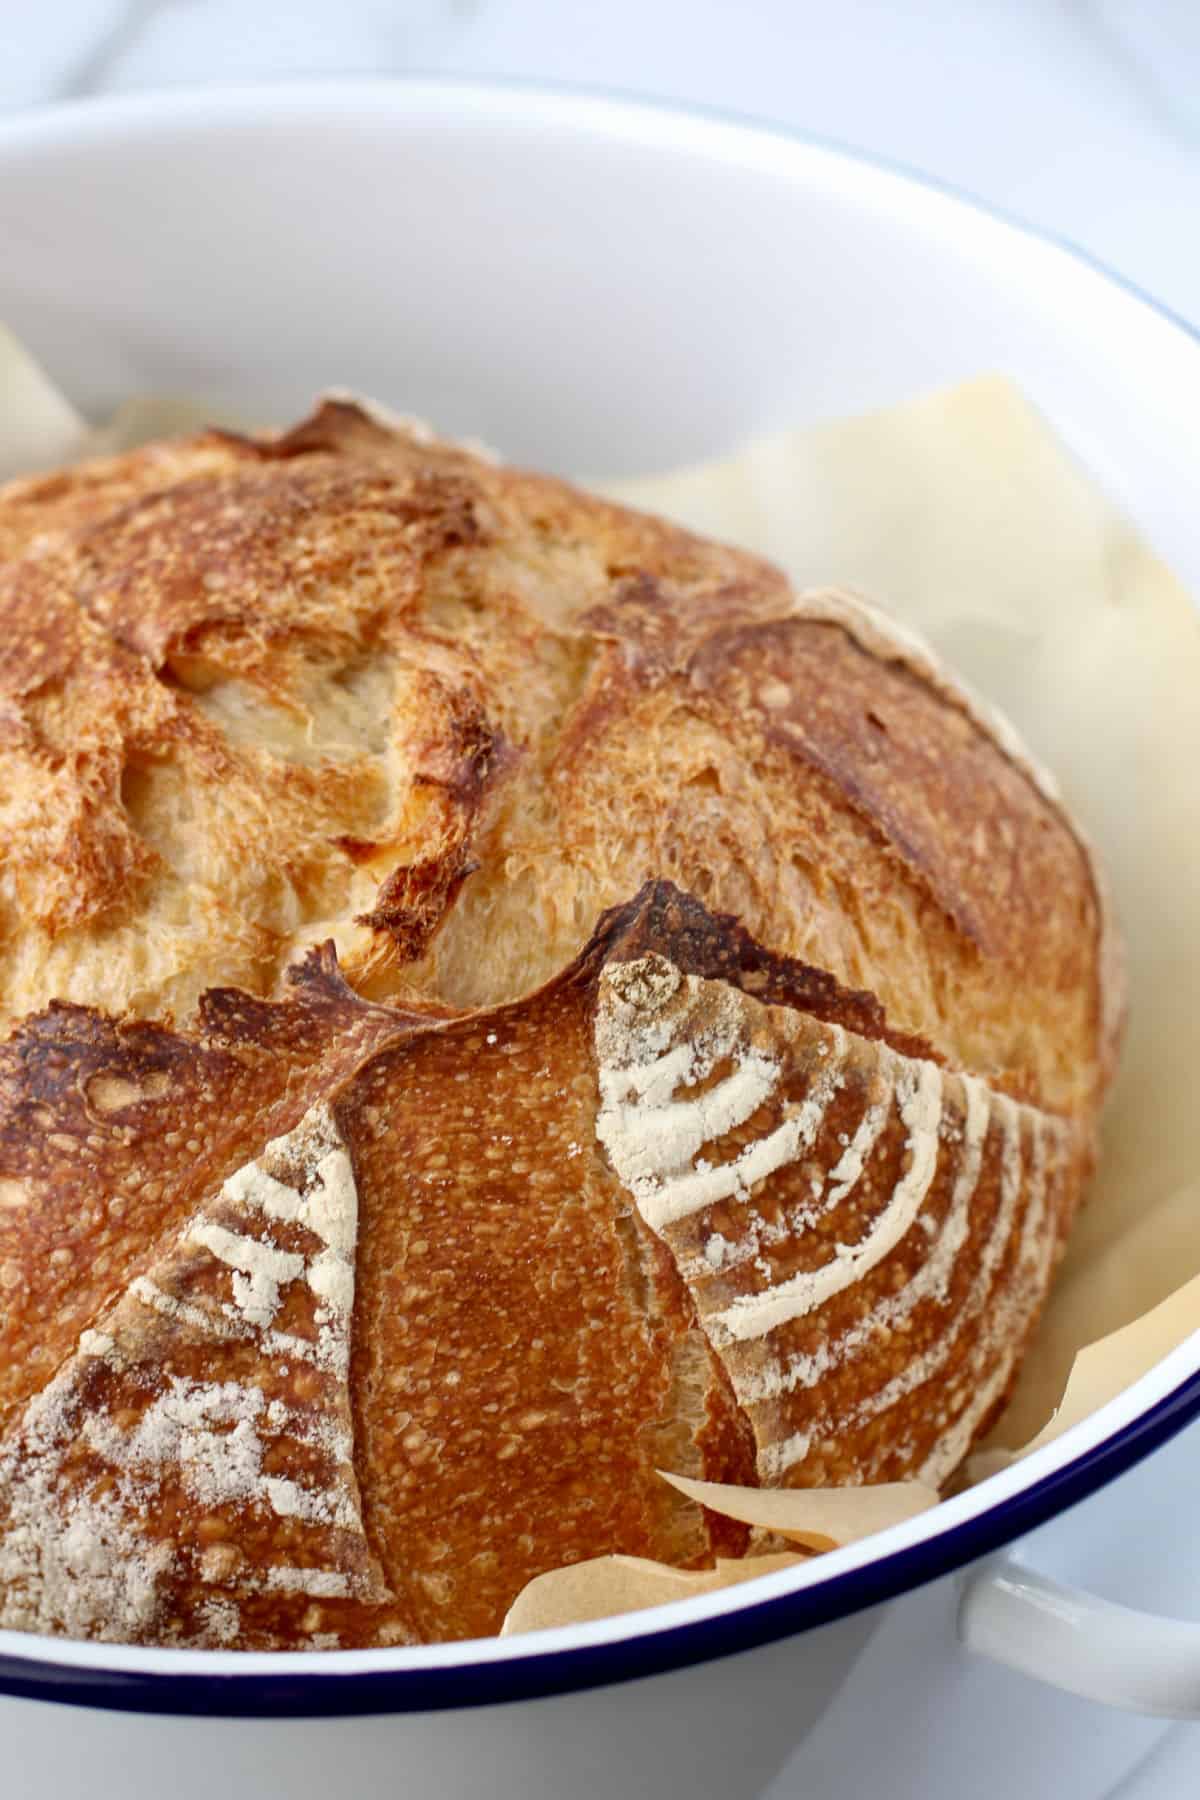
[1074, 1640]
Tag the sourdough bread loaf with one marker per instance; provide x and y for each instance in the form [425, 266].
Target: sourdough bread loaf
[498, 996]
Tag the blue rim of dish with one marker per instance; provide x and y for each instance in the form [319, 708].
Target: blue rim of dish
[328, 1694]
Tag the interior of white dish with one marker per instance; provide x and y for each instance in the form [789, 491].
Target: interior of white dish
[584, 284]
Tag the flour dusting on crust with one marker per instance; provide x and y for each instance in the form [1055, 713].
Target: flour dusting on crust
[195, 1452]
[852, 1223]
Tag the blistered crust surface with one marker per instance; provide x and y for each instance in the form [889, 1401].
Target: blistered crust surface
[351, 683]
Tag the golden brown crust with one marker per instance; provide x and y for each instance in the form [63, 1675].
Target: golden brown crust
[529, 1295]
[508, 1407]
[187, 1476]
[111, 1132]
[349, 687]
[514, 1353]
[368, 664]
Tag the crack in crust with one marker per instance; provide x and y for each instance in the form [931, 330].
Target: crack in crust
[256, 692]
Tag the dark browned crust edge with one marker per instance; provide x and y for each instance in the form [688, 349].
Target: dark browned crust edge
[663, 920]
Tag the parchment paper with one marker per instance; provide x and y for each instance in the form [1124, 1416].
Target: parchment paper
[817, 1518]
[963, 514]
[40, 429]
[615, 1584]
[38, 426]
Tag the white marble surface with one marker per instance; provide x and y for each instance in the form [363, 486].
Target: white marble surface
[1081, 116]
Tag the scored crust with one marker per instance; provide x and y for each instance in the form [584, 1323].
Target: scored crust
[187, 1476]
[689, 1205]
[855, 1225]
[321, 756]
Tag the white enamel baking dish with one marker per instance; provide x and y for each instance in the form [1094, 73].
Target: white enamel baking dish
[598, 284]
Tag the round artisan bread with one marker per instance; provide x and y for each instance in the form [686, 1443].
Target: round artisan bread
[497, 995]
